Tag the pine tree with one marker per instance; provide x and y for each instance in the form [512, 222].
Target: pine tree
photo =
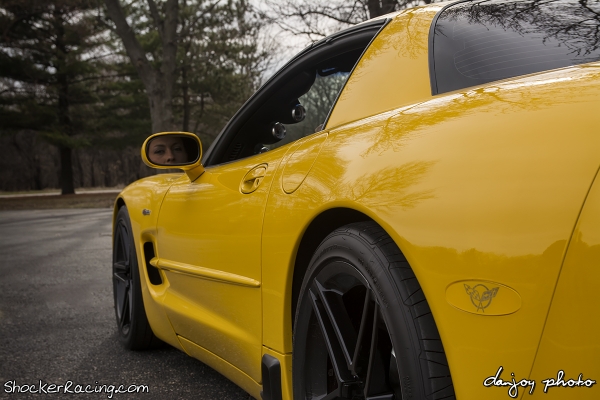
[50, 59]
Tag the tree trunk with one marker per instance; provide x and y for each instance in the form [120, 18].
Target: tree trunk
[158, 82]
[66, 170]
[380, 7]
[186, 99]
[161, 111]
[64, 119]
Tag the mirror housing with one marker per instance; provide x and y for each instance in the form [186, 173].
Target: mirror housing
[168, 150]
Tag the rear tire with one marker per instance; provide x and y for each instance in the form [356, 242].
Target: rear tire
[134, 329]
[363, 328]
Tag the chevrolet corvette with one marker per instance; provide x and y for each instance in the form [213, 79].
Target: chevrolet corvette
[408, 209]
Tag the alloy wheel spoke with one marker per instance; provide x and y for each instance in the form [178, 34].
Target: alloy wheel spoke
[334, 348]
[375, 383]
[125, 316]
[331, 396]
[123, 236]
[121, 278]
[340, 320]
[362, 331]
[120, 294]
[121, 266]
[351, 357]
[385, 396]
[372, 350]
[121, 272]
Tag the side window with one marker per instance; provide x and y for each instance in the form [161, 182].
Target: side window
[317, 103]
[297, 101]
[480, 42]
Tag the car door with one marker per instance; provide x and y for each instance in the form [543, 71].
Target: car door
[208, 243]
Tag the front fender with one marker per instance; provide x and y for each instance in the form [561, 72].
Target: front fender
[143, 199]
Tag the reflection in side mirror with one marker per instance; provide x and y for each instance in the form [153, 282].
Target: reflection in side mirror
[172, 150]
[181, 150]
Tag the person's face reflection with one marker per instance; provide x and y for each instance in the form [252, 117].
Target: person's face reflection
[167, 150]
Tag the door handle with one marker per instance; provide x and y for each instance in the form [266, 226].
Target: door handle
[253, 178]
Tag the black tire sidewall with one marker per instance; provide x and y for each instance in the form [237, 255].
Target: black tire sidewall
[347, 246]
[140, 335]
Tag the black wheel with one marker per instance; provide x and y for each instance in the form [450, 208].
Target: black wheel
[134, 330]
[363, 328]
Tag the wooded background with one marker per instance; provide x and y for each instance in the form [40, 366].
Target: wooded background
[84, 82]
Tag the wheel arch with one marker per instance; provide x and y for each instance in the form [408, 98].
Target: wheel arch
[143, 232]
[318, 229]
[119, 202]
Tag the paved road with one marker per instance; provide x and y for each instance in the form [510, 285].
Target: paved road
[57, 322]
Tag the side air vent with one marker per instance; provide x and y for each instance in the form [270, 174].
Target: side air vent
[153, 272]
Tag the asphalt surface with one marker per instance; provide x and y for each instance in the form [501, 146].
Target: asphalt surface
[57, 322]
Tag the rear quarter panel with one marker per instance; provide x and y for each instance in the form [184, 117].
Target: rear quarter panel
[484, 184]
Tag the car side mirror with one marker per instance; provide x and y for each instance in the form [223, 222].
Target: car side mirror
[167, 150]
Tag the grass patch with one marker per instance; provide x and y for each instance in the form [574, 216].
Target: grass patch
[82, 200]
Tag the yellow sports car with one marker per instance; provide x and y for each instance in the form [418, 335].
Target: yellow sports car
[408, 209]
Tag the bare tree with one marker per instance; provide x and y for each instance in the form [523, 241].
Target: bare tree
[316, 19]
[219, 63]
[158, 76]
[197, 59]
